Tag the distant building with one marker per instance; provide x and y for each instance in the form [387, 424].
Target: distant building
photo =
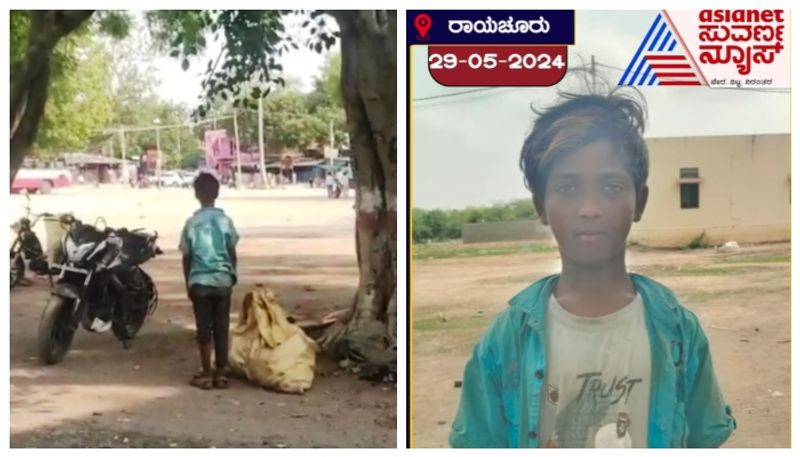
[94, 168]
[734, 187]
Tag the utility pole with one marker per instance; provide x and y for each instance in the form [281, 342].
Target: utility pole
[122, 147]
[158, 163]
[238, 155]
[331, 142]
[594, 76]
[262, 163]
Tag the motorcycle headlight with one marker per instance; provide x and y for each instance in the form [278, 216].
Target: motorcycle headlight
[70, 249]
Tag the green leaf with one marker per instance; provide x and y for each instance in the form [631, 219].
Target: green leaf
[79, 101]
[185, 64]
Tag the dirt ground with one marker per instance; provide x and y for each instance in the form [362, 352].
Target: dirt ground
[294, 240]
[741, 298]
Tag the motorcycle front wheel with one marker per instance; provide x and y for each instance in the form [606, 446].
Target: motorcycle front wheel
[17, 268]
[55, 330]
[126, 325]
[126, 329]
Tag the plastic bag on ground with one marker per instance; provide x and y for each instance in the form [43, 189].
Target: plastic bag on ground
[269, 350]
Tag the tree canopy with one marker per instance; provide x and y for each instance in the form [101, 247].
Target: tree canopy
[111, 87]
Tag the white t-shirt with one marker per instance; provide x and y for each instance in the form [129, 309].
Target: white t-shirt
[597, 386]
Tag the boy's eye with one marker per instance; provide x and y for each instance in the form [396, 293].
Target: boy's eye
[612, 188]
[566, 188]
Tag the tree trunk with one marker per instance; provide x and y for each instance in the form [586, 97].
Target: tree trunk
[30, 79]
[369, 92]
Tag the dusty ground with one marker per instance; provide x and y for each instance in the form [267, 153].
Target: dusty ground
[295, 241]
[742, 300]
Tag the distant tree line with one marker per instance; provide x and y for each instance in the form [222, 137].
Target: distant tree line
[442, 225]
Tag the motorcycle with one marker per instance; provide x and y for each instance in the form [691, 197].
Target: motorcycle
[100, 285]
[26, 247]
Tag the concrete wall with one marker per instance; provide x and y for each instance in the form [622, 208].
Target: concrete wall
[744, 190]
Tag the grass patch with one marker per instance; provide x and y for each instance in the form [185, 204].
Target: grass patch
[700, 242]
[452, 250]
[454, 336]
[697, 296]
[707, 271]
[696, 270]
[436, 324]
[769, 258]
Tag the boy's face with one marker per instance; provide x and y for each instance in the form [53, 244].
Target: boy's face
[590, 203]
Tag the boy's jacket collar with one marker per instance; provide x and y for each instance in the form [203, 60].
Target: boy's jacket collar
[533, 300]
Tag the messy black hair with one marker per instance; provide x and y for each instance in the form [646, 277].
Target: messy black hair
[206, 187]
[578, 120]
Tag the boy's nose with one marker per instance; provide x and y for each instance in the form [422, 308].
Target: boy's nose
[589, 208]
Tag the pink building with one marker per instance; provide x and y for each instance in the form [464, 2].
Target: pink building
[220, 154]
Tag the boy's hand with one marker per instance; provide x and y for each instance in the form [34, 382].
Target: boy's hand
[187, 267]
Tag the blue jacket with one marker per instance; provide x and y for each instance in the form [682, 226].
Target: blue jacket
[503, 378]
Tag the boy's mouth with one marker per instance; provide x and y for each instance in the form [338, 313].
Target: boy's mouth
[590, 236]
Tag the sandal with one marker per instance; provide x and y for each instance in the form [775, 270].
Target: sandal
[202, 381]
[220, 381]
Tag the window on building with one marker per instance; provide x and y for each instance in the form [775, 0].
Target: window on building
[689, 182]
[690, 195]
[690, 172]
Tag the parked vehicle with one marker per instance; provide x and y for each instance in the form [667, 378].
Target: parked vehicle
[100, 285]
[27, 248]
[40, 180]
[187, 177]
[173, 178]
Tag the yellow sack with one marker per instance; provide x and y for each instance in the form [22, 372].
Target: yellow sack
[267, 349]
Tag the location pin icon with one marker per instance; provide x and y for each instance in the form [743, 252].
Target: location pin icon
[422, 23]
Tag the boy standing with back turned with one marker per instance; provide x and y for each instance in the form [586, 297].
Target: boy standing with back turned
[208, 245]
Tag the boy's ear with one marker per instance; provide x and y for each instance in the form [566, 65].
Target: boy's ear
[538, 203]
[641, 202]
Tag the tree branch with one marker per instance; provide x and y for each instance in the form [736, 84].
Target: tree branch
[28, 123]
[69, 20]
[31, 79]
[371, 20]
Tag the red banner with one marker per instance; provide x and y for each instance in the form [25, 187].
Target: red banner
[497, 65]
